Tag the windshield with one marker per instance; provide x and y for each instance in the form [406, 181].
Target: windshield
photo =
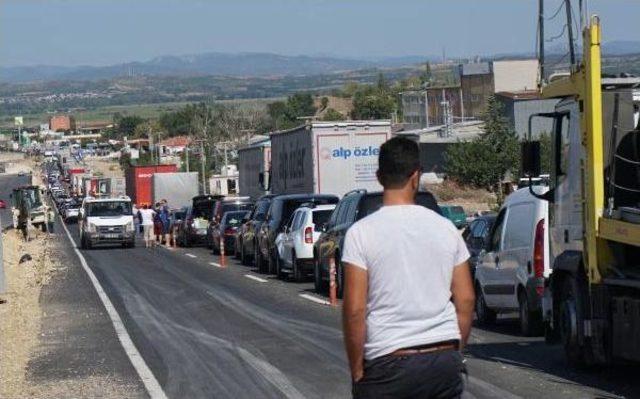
[110, 208]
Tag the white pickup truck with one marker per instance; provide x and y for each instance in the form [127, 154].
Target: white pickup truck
[106, 221]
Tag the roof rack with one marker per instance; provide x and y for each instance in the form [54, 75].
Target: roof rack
[357, 190]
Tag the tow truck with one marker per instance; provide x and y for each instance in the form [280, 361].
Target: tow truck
[591, 303]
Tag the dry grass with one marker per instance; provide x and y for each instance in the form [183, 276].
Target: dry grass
[472, 199]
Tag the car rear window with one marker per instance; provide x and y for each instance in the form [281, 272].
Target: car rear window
[321, 217]
[233, 219]
[372, 203]
[290, 205]
[457, 209]
[237, 207]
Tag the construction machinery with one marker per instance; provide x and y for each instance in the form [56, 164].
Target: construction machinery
[591, 303]
[28, 207]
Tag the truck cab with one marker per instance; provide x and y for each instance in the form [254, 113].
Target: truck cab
[28, 206]
[106, 221]
[591, 302]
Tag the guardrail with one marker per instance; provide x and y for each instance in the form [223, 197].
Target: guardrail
[3, 287]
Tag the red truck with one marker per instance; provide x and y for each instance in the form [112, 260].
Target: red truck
[139, 181]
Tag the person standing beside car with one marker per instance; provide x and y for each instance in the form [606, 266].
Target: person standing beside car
[147, 215]
[408, 300]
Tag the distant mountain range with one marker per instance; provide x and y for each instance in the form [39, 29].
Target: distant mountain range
[240, 65]
[219, 64]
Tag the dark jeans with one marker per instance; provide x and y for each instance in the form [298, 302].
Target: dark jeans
[429, 375]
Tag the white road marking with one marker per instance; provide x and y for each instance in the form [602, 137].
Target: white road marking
[315, 299]
[215, 264]
[191, 255]
[256, 278]
[144, 372]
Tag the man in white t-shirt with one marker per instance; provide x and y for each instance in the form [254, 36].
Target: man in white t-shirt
[147, 216]
[408, 300]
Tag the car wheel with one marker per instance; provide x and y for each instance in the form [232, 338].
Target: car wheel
[317, 276]
[271, 262]
[530, 324]
[297, 269]
[243, 256]
[278, 266]
[236, 250]
[339, 278]
[258, 259]
[485, 315]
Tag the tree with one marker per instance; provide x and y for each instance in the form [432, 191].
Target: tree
[324, 103]
[332, 115]
[373, 102]
[127, 125]
[485, 161]
[285, 115]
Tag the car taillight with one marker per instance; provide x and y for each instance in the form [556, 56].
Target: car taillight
[538, 257]
[308, 235]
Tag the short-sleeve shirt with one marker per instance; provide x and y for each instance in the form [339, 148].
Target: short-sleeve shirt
[147, 216]
[409, 253]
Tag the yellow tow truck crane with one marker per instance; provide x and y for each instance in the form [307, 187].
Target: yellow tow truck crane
[591, 303]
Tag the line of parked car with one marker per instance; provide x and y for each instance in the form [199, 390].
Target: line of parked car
[296, 236]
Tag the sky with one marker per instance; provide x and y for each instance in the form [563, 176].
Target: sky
[102, 32]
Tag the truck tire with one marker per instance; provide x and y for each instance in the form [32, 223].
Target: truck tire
[570, 316]
[530, 321]
[485, 316]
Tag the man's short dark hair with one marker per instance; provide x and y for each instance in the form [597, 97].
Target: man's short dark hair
[399, 159]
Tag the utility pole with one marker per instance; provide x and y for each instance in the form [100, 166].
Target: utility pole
[572, 53]
[541, 39]
[186, 154]
[202, 166]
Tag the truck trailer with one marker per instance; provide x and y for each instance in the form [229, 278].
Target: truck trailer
[327, 157]
[254, 163]
[139, 181]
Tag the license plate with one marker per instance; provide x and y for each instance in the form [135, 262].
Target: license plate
[111, 235]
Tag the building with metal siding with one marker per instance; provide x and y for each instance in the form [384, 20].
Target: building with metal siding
[425, 108]
[519, 106]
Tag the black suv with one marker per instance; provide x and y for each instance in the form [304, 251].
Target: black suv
[352, 207]
[279, 213]
[246, 238]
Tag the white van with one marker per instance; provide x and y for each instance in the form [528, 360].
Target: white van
[106, 221]
[513, 268]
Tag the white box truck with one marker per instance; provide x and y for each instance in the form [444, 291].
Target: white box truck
[254, 163]
[327, 157]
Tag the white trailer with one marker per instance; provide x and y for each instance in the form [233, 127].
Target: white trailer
[254, 164]
[327, 157]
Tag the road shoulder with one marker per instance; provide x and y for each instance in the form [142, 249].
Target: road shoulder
[75, 351]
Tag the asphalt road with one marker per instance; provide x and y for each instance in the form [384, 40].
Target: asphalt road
[206, 331]
[7, 183]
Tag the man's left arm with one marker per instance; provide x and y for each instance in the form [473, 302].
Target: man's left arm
[354, 310]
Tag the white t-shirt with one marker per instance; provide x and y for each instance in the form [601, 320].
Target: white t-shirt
[147, 216]
[409, 253]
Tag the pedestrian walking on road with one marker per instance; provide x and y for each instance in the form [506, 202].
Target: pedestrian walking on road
[408, 299]
[164, 221]
[147, 216]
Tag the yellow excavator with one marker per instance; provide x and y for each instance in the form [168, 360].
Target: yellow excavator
[591, 303]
